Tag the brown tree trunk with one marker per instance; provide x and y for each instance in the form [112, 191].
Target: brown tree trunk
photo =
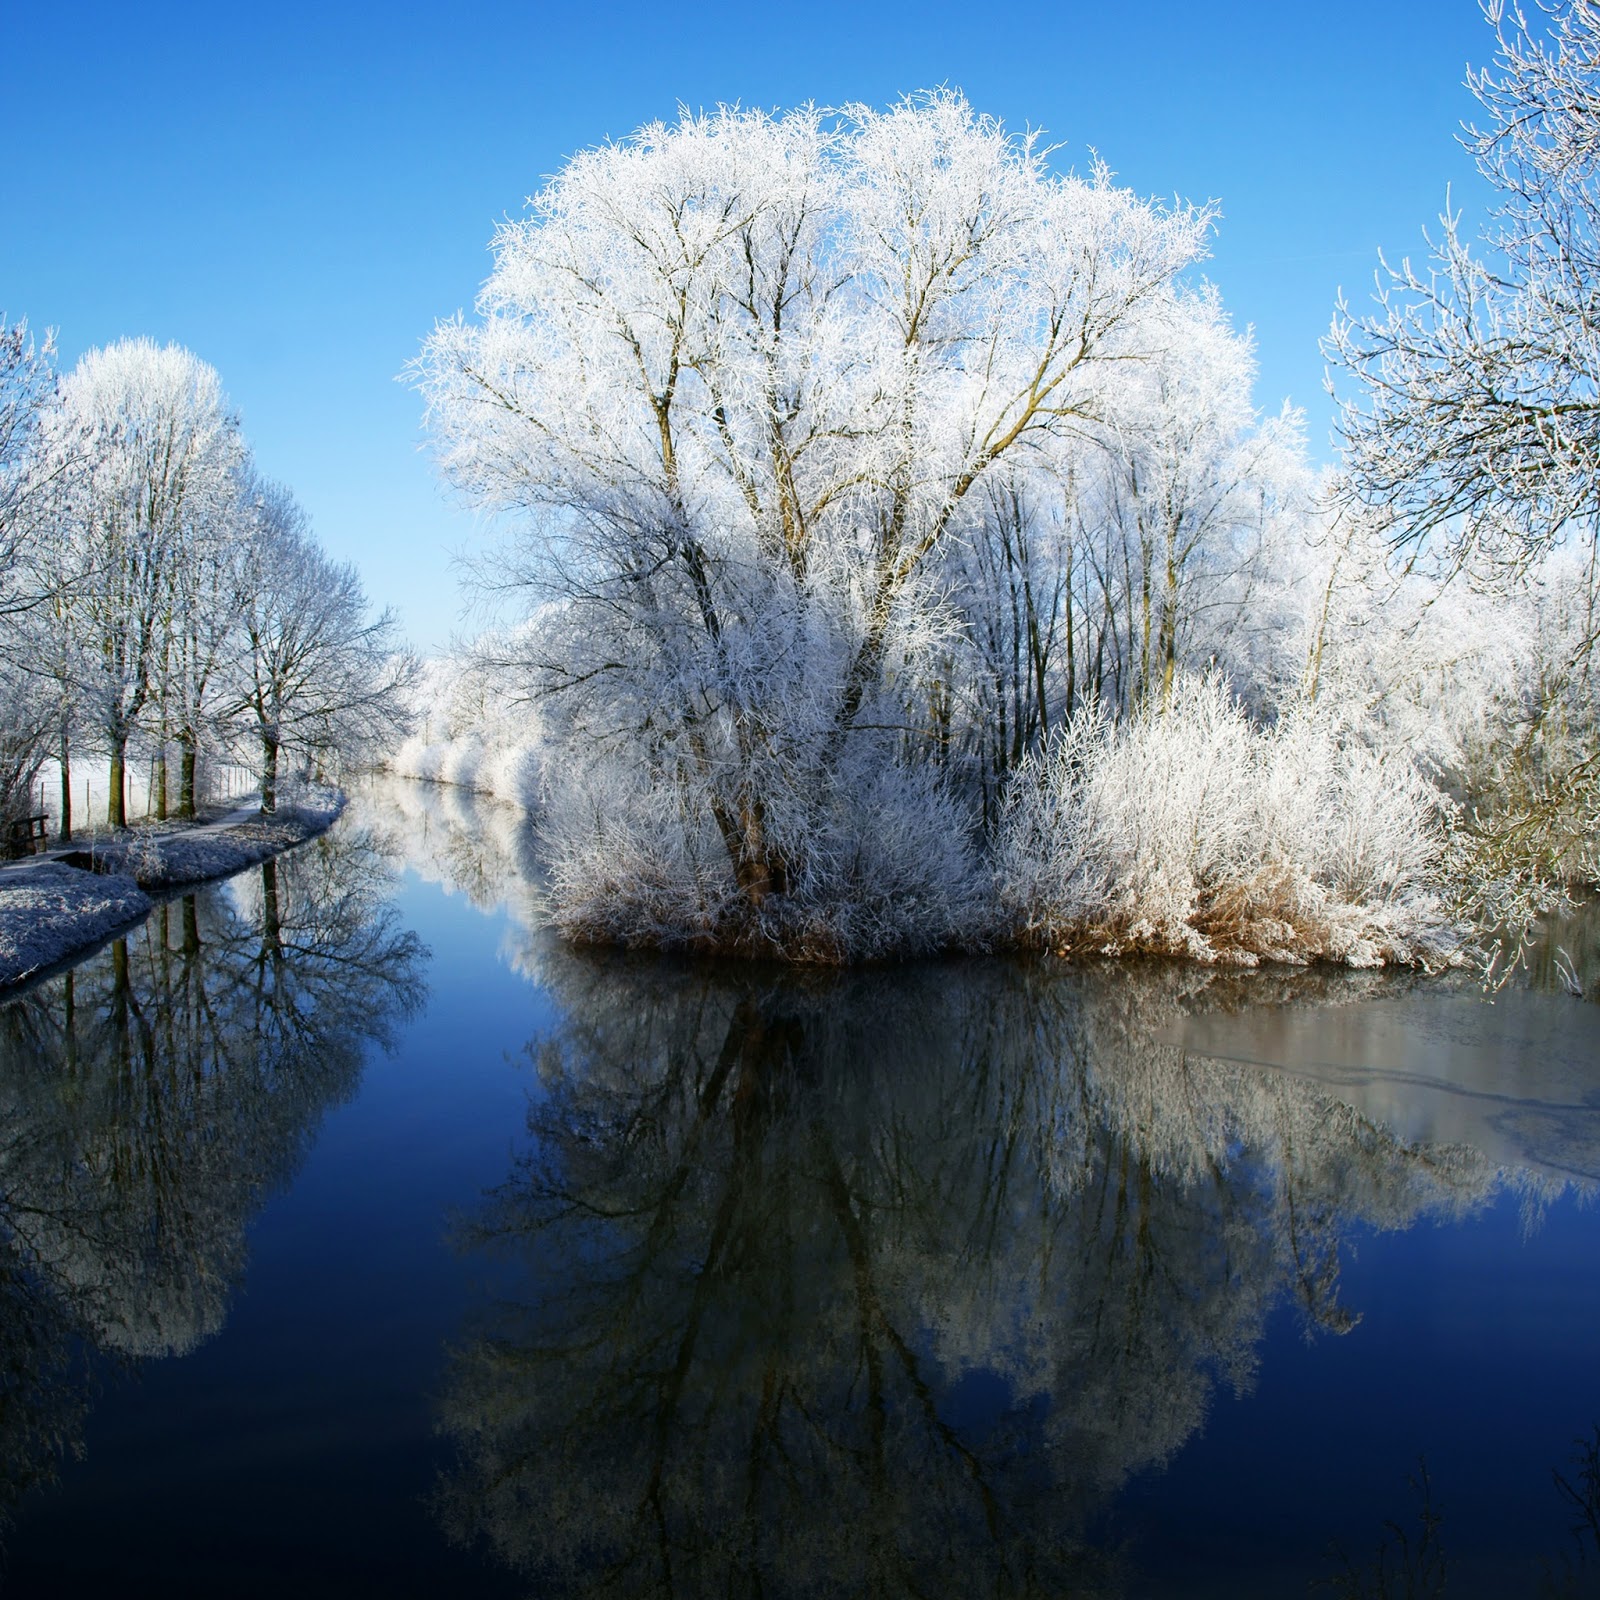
[758, 870]
[269, 773]
[66, 786]
[116, 804]
[186, 773]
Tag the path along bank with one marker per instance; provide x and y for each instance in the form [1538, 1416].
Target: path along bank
[58, 906]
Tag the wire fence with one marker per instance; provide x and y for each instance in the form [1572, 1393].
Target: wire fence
[218, 783]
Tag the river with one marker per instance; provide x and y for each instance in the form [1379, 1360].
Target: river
[358, 1237]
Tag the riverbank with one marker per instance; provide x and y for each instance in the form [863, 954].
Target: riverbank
[54, 907]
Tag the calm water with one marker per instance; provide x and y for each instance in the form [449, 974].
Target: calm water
[357, 1238]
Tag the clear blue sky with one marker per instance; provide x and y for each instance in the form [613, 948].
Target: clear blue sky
[298, 192]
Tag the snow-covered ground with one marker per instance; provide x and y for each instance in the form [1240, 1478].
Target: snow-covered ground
[54, 906]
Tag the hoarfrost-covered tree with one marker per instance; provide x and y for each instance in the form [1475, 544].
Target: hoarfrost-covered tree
[1475, 426]
[1478, 419]
[743, 380]
[316, 672]
[27, 383]
[1188, 497]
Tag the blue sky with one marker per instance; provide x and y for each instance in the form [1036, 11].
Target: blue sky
[298, 192]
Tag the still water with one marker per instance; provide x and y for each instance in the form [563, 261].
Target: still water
[357, 1238]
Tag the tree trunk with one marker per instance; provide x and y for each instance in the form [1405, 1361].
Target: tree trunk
[269, 773]
[66, 786]
[758, 871]
[186, 771]
[116, 804]
[161, 784]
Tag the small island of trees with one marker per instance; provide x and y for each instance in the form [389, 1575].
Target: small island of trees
[897, 562]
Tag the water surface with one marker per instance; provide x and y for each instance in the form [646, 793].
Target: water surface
[356, 1237]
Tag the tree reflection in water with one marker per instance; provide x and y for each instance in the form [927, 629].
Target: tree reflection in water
[883, 1282]
[151, 1099]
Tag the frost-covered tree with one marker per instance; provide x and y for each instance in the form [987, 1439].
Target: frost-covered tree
[1474, 428]
[27, 384]
[1160, 544]
[743, 382]
[316, 672]
[1192, 491]
[1477, 420]
[27, 478]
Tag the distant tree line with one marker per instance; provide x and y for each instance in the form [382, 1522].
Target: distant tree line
[162, 600]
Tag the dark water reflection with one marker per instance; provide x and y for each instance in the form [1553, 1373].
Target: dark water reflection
[152, 1098]
[884, 1284]
[967, 1278]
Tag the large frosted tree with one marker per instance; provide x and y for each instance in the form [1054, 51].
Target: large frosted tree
[739, 382]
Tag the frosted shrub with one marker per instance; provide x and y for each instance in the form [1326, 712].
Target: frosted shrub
[420, 759]
[510, 772]
[515, 773]
[888, 873]
[1188, 831]
[628, 865]
[879, 867]
[462, 764]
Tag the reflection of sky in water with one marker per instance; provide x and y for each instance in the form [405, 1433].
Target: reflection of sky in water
[1104, 1264]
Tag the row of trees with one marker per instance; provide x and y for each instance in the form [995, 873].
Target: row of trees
[160, 597]
[851, 462]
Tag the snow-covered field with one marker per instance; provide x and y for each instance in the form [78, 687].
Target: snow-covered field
[50, 908]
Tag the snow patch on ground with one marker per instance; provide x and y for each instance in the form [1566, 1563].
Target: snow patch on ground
[53, 907]
[48, 910]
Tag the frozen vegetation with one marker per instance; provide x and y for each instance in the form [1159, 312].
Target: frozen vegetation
[895, 562]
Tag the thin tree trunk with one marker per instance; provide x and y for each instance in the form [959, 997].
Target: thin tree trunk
[66, 785]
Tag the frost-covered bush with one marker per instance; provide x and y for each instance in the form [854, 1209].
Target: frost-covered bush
[881, 867]
[472, 731]
[1190, 831]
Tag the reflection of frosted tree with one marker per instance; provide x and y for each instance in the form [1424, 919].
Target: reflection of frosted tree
[475, 846]
[879, 1283]
[152, 1097]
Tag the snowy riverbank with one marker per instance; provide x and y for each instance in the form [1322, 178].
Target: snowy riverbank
[55, 906]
